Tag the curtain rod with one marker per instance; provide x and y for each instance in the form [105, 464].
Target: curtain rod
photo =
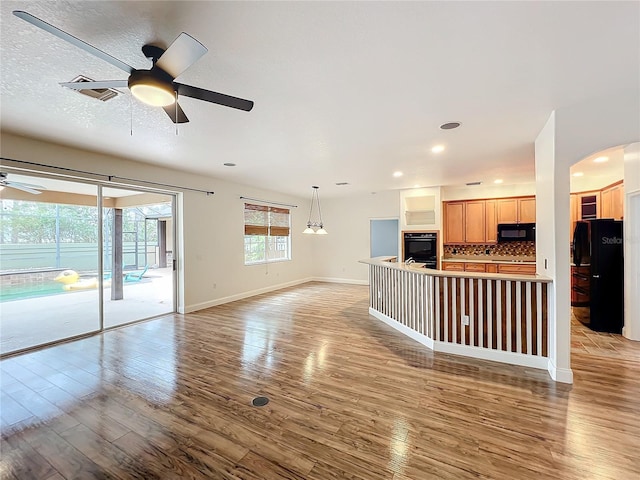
[108, 178]
[270, 203]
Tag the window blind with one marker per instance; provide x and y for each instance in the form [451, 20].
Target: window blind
[264, 220]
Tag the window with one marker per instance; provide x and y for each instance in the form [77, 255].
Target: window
[267, 235]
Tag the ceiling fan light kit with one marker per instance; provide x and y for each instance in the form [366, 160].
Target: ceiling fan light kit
[149, 87]
[155, 87]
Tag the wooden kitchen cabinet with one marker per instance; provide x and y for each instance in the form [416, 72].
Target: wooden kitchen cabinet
[475, 267]
[490, 222]
[517, 268]
[527, 210]
[580, 282]
[507, 210]
[474, 225]
[453, 266]
[612, 199]
[516, 210]
[476, 221]
[454, 222]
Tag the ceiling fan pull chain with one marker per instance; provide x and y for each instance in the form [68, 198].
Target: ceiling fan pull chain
[131, 114]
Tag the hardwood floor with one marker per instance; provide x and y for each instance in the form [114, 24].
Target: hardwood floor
[349, 397]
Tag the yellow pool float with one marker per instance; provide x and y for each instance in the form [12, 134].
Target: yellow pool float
[72, 281]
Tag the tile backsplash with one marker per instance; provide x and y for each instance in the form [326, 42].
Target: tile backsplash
[518, 249]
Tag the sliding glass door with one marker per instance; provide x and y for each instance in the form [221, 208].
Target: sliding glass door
[137, 255]
[49, 262]
[69, 268]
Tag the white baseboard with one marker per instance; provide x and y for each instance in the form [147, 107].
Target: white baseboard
[511, 358]
[562, 375]
[418, 337]
[239, 296]
[349, 281]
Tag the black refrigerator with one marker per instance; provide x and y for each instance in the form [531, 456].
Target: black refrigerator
[598, 243]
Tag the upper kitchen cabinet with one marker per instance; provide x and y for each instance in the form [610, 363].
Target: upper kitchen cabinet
[476, 221]
[464, 222]
[474, 227]
[491, 221]
[454, 222]
[516, 210]
[611, 201]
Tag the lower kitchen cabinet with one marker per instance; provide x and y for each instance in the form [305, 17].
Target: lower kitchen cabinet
[493, 267]
[517, 268]
[580, 285]
[453, 266]
[475, 267]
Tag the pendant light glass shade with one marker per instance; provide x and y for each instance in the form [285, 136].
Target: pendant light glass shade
[313, 226]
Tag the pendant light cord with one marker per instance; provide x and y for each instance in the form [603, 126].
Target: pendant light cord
[319, 211]
[313, 196]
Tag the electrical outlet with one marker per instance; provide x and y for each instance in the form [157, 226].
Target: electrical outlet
[465, 319]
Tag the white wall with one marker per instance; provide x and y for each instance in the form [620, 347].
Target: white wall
[347, 221]
[631, 328]
[210, 252]
[571, 134]
[550, 228]
[487, 191]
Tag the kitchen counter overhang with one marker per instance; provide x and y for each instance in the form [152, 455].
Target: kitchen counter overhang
[391, 263]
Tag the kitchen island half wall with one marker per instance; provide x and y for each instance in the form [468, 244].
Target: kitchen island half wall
[500, 317]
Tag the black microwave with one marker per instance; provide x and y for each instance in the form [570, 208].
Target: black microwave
[516, 232]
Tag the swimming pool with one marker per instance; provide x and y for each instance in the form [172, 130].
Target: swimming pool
[21, 292]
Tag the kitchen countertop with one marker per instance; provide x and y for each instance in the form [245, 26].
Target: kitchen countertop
[389, 262]
[489, 259]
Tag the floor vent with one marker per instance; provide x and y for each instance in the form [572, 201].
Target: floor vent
[102, 94]
[259, 401]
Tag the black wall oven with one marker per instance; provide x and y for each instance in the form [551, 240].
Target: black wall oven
[422, 247]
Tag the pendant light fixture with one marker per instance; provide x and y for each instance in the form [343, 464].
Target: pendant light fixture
[315, 227]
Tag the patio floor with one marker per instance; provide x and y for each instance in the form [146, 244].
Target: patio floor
[34, 321]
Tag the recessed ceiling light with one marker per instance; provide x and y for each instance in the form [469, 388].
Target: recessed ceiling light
[416, 186]
[438, 149]
[600, 159]
[578, 174]
[498, 180]
[229, 164]
[397, 174]
[450, 125]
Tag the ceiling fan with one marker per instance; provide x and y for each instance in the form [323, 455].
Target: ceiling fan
[25, 187]
[155, 86]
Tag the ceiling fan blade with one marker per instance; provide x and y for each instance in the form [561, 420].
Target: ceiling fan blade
[27, 17]
[171, 111]
[23, 188]
[181, 54]
[95, 85]
[22, 184]
[213, 97]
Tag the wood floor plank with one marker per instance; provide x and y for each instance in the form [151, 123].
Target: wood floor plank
[349, 398]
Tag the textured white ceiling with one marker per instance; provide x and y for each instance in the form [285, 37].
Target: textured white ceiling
[343, 91]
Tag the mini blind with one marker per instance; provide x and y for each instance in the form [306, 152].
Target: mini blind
[264, 220]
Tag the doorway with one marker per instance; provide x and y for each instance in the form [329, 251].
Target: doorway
[384, 235]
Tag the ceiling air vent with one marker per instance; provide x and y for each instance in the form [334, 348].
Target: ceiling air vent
[471, 184]
[102, 94]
